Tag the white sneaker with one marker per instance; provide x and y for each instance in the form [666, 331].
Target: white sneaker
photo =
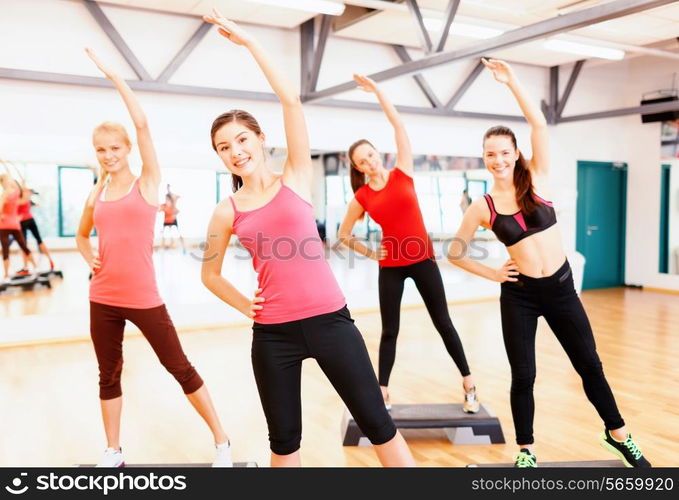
[471, 401]
[112, 458]
[223, 455]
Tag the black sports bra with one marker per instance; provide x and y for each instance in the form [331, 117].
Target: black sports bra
[510, 229]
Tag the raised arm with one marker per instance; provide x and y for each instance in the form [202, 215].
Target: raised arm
[354, 213]
[298, 163]
[218, 236]
[539, 136]
[150, 172]
[404, 153]
[457, 253]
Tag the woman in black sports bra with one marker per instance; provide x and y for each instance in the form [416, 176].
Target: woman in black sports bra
[537, 279]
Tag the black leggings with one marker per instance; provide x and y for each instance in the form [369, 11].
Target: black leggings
[4, 241]
[427, 278]
[30, 225]
[332, 339]
[554, 297]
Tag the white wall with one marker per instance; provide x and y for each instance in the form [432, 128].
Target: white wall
[53, 123]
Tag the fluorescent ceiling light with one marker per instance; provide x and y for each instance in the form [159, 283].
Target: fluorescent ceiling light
[468, 30]
[584, 49]
[315, 6]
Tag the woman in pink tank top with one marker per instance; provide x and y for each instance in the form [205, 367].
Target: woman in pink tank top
[123, 288]
[11, 197]
[298, 308]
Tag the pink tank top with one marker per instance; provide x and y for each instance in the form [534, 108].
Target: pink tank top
[10, 219]
[288, 255]
[126, 277]
[25, 211]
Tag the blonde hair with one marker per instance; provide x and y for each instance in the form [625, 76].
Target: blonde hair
[110, 128]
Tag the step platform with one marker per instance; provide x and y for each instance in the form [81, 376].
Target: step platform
[577, 464]
[178, 466]
[28, 282]
[459, 427]
[54, 273]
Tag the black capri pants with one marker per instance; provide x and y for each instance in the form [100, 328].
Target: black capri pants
[554, 297]
[30, 225]
[336, 344]
[427, 278]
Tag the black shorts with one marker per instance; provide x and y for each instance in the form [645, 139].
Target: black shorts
[170, 224]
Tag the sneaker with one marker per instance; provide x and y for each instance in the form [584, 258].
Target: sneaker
[525, 459]
[223, 455]
[112, 458]
[626, 450]
[471, 401]
[23, 272]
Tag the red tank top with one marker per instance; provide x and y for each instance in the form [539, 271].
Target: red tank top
[288, 255]
[396, 209]
[25, 211]
[10, 219]
[169, 213]
[126, 277]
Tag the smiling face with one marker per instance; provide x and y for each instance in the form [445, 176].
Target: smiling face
[500, 156]
[240, 148]
[366, 159]
[112, 147]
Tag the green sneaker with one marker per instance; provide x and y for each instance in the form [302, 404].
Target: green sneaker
[525, 459]
[626, 450]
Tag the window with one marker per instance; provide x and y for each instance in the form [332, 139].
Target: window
[75, 184]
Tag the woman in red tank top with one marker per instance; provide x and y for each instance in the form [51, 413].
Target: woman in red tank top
[123, 288]
[406, 250]
[298, 309]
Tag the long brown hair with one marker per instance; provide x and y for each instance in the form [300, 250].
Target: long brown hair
[356, 176]
[523, 181]
[240, 116]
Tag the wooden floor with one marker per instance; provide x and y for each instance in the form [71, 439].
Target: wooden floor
[50, 416]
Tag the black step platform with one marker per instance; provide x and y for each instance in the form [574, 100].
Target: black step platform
[178, 466]
[51, 274]
[542, 465]
[28, 282]
[459, 427]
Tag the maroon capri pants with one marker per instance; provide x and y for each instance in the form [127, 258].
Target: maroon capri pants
[106, 328]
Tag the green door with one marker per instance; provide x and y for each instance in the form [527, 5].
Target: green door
[602, 190]
[664, 256]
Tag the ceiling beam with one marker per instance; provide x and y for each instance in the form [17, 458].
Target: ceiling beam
[326, 22]
[422, 32]
[450, 12]
[170, 88]
[465, 85]
[548, 27]
[105, 24]
[306, 45]
[658, 107]
[569, 88]
[184, 52]
[419, 79]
